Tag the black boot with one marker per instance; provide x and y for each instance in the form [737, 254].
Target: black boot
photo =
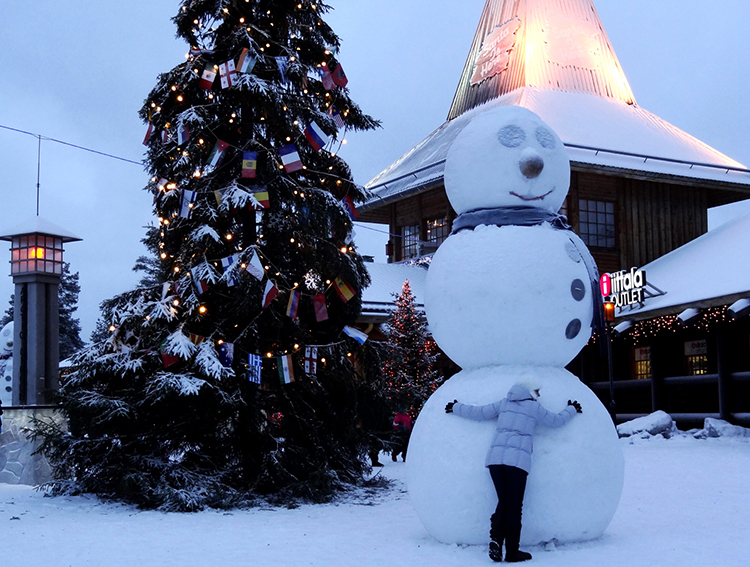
[496, 551]
[516, 555]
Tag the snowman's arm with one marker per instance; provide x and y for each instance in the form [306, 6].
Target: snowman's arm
[477, 413]
[551, 419]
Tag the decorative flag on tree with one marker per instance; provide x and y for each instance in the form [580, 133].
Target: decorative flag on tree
[226, 264]
[254, 267]
[286, 371]
[334, 112]
[246, 62]
[200, 285]
[219, 194]
[195, 51]
[227, 74]
[293, 305]
[187, 203]
[166, 358]
[325, 77]
[270, 292]
[196, 339]
[343, 289]
[226, 354]
[183, 134]
[339, 77]
[311, 360]
[356, 334]
[148, 133]
[208, 77]
[282, 63]
[164, 136]
[255, 365]
[249, 164]
[351, 210]
[263, 202]
[317, 138]
[321, 311]
[290, 158]
[217, 153]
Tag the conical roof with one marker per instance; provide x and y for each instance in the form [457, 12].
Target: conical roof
[558, 44]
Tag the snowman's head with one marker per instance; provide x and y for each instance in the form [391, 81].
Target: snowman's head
[507, 157]
[6, 339]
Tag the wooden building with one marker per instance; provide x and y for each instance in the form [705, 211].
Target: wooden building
[640, 187]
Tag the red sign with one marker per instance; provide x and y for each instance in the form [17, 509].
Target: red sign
[605, 282]
[495, 53]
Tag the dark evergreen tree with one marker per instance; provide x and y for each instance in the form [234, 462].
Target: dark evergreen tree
[166, 412]
[409, 370]
[70, 327]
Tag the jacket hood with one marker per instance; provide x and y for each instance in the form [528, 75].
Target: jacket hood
[518, 393]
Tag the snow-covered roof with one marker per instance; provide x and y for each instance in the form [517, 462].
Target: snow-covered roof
[387, 279]
[39, 225]
[712, 270]
[597, 131]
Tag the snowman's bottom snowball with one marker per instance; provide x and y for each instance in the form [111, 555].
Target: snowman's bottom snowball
[576, 476]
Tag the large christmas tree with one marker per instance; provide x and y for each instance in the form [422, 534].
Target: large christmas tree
[230, 377]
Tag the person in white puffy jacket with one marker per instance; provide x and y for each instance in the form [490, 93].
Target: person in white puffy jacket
[509, 458]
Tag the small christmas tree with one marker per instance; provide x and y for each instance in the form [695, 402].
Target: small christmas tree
[409, 370]
[226, 376]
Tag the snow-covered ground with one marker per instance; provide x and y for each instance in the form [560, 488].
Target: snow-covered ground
[686, 502]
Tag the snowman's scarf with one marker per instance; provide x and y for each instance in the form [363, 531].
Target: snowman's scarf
[534, 216]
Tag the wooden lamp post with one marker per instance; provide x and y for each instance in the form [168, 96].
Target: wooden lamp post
[36, 267]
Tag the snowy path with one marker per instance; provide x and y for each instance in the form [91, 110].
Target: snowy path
[686, 502]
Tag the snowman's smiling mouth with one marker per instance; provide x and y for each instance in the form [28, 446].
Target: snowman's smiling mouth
[531, 197]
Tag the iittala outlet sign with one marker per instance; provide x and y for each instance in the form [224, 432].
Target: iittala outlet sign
[623, 288]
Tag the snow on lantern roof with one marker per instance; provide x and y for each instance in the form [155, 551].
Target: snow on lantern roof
[596, 118]
[709, 271]
[387, 279]
[39, 225]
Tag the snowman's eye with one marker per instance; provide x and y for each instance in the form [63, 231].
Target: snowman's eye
[511, 136]
[545, 138]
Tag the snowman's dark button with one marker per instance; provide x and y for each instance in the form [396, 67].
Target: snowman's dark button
[578, 290]
[574, 327]
[8, 389]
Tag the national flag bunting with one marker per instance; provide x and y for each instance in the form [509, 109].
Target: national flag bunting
[311, 360]
[356, 334]
[183, 134]
[196, 51]
[208, 77]
[321, 311]
[246, 62]
[254, 267]
[325, 77]
[227, 74]
[290, 158]
[339, 77]
[270, 292]
[255, 365]
[226, 264]
[293, 304]
[187, 203]
[217, 153]
[200, 285]
[168, 359]
[315, 135]
[262, 199]
[249, 164]
[196, 339]
[286, 370]
[218, 195]
[348, 205]
[164, 136]
[343, 289]
[149, 132]
[337, 119]
[282, 63]
[226, 354]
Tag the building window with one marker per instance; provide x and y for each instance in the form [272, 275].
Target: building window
[597, 223]
[642, 363]
[410, 241]
[437, 230]
[696, 357]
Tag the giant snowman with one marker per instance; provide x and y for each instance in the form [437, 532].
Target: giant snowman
[509, 297]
